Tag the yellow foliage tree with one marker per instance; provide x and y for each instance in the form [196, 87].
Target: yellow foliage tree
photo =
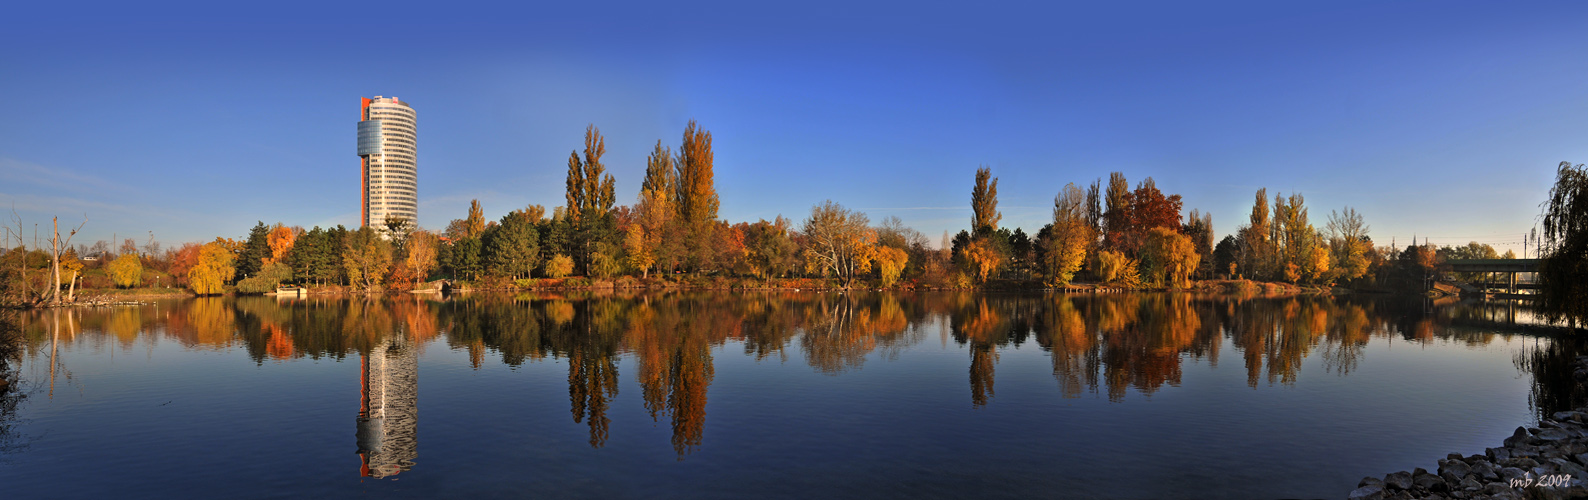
[208, 275]
[1169, 257]
[127, 271]
[890, 264]
[640, 256]
[421, 256]
[982, 258]
[366, 257]
[1070, 236]
[558, 266]
[1318, 263]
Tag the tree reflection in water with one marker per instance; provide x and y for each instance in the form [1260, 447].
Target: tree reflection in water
[1098, 344]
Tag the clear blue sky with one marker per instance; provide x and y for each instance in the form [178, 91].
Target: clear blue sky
[190, 121]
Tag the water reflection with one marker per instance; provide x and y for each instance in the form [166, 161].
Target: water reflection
[388, 416]
[1106, 346]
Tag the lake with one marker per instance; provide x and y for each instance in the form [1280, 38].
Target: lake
[762, 394]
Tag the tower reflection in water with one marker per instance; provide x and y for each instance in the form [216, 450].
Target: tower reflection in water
[388, 416]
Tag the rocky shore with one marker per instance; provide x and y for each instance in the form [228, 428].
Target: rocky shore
[1547, 462]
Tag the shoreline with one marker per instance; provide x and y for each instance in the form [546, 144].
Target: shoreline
[1549, 461]
[89, 298]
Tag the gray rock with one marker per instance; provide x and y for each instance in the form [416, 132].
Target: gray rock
[1454, 470]
[1485, 471]
[1428, 482]
[1371, 481]
[1551, 435]
[1576, 447]
[1470, 483]
[1524, 451]
[1518, 437]
[1369, 492]
[1498, 454]
[1398, 480]
[1509, 473]
[1569, 467]
[1541, 470]
[1496, 488]
[1582, 458]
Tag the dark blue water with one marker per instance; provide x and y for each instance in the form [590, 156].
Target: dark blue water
[725, 395]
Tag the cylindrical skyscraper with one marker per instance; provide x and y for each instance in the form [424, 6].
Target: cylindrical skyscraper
[388, 145]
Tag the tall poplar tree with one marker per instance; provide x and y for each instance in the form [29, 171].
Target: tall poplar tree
[590, 196]
[984, 203]
[1116, 216]
[697, 193]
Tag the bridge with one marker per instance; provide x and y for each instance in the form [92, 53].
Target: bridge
[1508, 267]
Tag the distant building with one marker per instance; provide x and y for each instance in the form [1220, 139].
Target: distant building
[388, 145]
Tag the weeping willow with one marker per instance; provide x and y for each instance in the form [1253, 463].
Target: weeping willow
[1563, 275]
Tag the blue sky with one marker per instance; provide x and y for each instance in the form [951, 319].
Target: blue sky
[194, 120]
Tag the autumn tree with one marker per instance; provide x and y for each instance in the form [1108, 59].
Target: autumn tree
[770, 249]
[1168, 258]
[280, 241]
[421, 255]
[1199, 227]
[984, 203]
[366, 257]
[184, 258]
[982, 258]
[558, 266]
[589, 199]
[1349, 245]
[696, 199]
[1069, 237]
[474, 225]
[653, 239]
[1255, 247]
[126, 271]
[838, 242]
[1294, 240]
[1116, 217]
[211, 270]
[890, 262]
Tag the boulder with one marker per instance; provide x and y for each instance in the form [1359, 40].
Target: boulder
[1454, 470]
[1496, 488]
[1518, 437]
[1428, 482]
[1370, 481]
[1398, 480]
[1509, 473]
[1550, 435]
[1470, 483]
[1369, 492]
[1485, 471]
[1498, 454]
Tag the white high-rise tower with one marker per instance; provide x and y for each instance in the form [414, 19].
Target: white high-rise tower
[388, 145]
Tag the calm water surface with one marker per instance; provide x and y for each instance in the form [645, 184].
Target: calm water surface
[760, 395]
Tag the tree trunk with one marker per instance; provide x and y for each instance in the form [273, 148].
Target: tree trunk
[55, 260]
[71, 291]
